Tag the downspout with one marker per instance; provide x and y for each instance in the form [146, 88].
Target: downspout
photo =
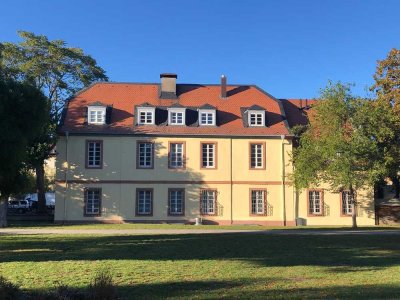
[283, 181]
[66, 176]
[231, 183]
[295, 194]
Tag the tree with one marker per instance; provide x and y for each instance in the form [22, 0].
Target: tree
[338, 146]
[24, 110]
[58, 71]
[387, 88]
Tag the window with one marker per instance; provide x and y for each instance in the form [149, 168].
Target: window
[146, 116]
[258, 202]
[94, 154]
[96, 115]
[145, 155]
[347, 200]
[315, 202]
[92, 202]
[207, 117]
[257, 155]
[256, 118]
[176, 116]
[208, 155]
[176, 155]
[176, 201]
[208, 202]
[144, 202]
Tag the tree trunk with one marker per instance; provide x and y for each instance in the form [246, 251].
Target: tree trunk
[3, 211]
[353, 208]
[40, 189]
[396, 183]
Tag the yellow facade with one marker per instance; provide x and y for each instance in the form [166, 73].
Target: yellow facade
[232, 179]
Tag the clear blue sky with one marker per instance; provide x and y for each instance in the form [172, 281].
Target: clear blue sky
[289, 48]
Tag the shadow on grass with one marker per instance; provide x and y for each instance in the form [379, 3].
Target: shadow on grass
[250, 288]
[255, 289]
[372, 251]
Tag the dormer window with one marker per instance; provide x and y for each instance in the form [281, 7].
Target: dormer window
[256, 117]
[207, 115]
[146, 115]
[176, 116]
[96, 115]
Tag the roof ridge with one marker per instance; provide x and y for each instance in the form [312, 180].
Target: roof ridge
[157, 83]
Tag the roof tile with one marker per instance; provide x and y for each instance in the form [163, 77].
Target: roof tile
[125, 96]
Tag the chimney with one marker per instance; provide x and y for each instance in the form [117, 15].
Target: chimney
[223, 86]
[168, 85]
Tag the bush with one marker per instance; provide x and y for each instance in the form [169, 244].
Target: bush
[64, 292]
[102, 287]
[8, 291]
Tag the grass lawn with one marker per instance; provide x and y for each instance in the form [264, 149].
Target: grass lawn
[51, 225]
[227, 266]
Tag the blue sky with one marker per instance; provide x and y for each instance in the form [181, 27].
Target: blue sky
[289, 48]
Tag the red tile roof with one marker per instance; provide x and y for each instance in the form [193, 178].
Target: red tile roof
[125, 96]
[297, 110]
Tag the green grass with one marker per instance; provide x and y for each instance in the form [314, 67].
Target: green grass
[229, 266]
[51, 225]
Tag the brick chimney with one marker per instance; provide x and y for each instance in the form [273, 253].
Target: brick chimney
[168, 86]
[223, 87]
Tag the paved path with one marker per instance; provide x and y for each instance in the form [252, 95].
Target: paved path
[32, 231]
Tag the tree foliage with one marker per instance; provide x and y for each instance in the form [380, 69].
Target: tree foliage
[387, 88]
[24, 110]
[58, 71]
[339, 146]
[387, 79]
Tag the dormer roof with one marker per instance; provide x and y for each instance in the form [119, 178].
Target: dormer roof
[207, 106]
[97, 103]
[145, 104]
[255, 107]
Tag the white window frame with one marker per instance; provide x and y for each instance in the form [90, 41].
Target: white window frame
[176, 156]
[93, 204]
[144, 156]
[146, 111]
[172, 111]
[211, 112]
[256, 113]
[208, 155]
[315, 202]
[145, 203]
[258, 202]
[94, 154]
[176, 204]
[257, 156]
[346, 203]
[208, 202]
[99, 115]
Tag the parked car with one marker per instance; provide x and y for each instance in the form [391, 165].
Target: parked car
[20, 206]
[50, 199]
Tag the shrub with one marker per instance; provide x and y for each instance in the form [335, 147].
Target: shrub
[8, 291]
[102, 287]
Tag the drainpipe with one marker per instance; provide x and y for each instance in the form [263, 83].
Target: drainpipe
[231, 183]
[66, 177]
[283, 181]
